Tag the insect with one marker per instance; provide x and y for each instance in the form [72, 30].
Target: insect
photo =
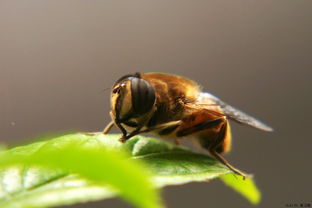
[174, 107]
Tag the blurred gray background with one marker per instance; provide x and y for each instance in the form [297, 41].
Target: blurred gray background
[57, 56]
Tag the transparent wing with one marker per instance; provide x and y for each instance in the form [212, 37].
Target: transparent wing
[231, 112]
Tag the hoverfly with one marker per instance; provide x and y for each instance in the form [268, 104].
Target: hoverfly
[175, 107]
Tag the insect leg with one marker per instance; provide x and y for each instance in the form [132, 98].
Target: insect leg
[171, 124]
[108, 127]
[215, 143]
[137, 131]
[122, 129]
[177, 141]
[124, 138]
[200, 126]
[213, 146]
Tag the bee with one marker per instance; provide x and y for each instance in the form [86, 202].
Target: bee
[174, 107]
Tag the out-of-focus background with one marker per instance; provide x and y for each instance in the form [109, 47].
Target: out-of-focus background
[56, 57]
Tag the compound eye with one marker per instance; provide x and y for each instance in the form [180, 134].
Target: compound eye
[143, 96]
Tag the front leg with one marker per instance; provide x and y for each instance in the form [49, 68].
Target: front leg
[177, 141]
[125, 137]
[137, 131]
[107, 128]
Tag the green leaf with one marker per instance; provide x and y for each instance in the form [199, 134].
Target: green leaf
[246, 187]
[45, 177]
[41, 186]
